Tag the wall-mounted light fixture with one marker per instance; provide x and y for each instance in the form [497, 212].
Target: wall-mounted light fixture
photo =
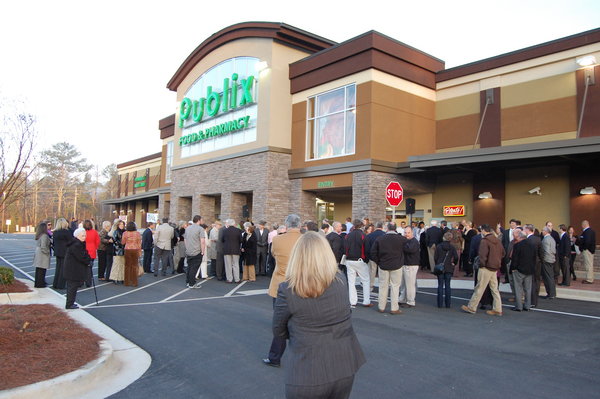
[142, 211]
[115, 212]
[156, 210]
[485, 195]
[261, 66]
[587, 190]
[588, 62]
[129, 211]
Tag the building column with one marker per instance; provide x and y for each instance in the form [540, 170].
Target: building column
[205, 206]
[302, 203]
[368, 194]
[231, 205]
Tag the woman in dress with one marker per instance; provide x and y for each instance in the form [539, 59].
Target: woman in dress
[92, 242]
[41, 258]
[249, 248]
[132, 242]
[60, 237]
[312, 311]
[445, 253]
[117, 274]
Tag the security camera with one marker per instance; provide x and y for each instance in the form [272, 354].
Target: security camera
[536, 190]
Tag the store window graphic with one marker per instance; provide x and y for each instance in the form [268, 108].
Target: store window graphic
[332, 123]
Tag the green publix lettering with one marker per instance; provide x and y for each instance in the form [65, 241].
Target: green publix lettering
[214, 102]
[217, 130]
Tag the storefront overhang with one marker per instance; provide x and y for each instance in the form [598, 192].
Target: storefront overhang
[361, 165]
[575, 150]
[135, 197]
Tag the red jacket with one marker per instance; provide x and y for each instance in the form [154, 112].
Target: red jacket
[92, 241]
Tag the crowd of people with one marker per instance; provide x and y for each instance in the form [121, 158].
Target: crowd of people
[315, 268]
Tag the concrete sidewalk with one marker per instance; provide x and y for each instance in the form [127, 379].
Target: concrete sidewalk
[119, 364]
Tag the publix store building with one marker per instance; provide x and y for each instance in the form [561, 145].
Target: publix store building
[271, 119]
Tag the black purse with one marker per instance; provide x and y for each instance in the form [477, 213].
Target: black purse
[440, 268]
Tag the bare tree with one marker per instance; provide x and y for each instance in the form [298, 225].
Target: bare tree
[17, 143]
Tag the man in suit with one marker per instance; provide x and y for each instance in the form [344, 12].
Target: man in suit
[587, 244]
[147, 246]
[444, 227]
[556, 236]
[434, 237]
[262, 242]
[387, 252]
[369, 241]
[563, 252]
[536, 280]
[548, 262]
[231, 242]
[336, 241]
[281, 249]
[195, 248]
[163, 235]
[522, 266]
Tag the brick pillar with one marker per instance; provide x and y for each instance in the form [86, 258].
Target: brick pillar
[231, 205]
[205, 208]
[270, 202]
[184, 209]
[302, 203]
[368, 194]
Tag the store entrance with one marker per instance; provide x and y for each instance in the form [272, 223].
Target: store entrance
[334, 205]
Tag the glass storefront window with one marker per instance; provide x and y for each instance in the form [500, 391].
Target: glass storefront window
[331, 123]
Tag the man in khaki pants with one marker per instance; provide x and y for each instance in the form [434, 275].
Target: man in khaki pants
[587, 245]
[491, 253]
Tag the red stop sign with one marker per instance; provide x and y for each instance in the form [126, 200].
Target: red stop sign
[394, 193]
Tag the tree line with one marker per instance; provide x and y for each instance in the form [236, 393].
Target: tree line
[48, 184]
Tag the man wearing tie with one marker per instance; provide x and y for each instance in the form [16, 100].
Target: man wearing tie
[262, 246]
[587, 244]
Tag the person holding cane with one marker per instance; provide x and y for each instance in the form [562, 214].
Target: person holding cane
[76, 266]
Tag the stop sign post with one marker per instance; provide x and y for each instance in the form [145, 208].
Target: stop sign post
[394, 194]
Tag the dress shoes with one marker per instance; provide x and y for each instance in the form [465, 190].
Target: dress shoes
[517, 309]
[74, 306]
[493, 313]
[406, 305]
[466, 309]
[381, 310]
[268, 362]
[396, 312]
[586, 282]
[368, 305]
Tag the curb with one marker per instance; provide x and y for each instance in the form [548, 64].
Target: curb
[55, 387]
[120, 363]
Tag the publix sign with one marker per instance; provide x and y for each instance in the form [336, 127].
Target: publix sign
[235, 93]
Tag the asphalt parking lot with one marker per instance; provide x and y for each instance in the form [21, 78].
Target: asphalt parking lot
[208, 342]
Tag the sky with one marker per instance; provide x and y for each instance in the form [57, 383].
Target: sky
[95, 73]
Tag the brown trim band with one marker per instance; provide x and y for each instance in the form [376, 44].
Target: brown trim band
[369, 50]
[139, 160]
[282, 33]
[528, 53]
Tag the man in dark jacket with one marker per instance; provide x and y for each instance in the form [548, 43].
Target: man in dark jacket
[388, 253]
[336, 241]
[536, 281]
[231, 241]
[587, 244]
[76, 265]
[408, 288]
[563, 252]
[491, 253]
[369, 240]
[148, 246]
[354, 246]
[434, 237]
[522, 266]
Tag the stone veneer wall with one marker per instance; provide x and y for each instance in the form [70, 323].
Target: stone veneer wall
[368, 194]
[265, 175]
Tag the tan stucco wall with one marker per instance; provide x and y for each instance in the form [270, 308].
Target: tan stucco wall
[552, 205]
[454, 189]
[273, 98]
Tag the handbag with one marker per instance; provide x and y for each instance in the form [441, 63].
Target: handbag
[440, 268]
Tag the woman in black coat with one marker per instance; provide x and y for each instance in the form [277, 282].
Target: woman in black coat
[249, 249]
[76, 265]
[61, 237]
[445, 253]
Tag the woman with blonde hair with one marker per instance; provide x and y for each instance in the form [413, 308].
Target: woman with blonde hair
[312, 311]
[117, 273]
[41, 258]
[61, 236]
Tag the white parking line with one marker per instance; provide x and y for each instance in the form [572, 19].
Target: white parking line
[91, 288]
[185, 290]
[132, 291]
[230, 293]
[533, 309]
[120, 305]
